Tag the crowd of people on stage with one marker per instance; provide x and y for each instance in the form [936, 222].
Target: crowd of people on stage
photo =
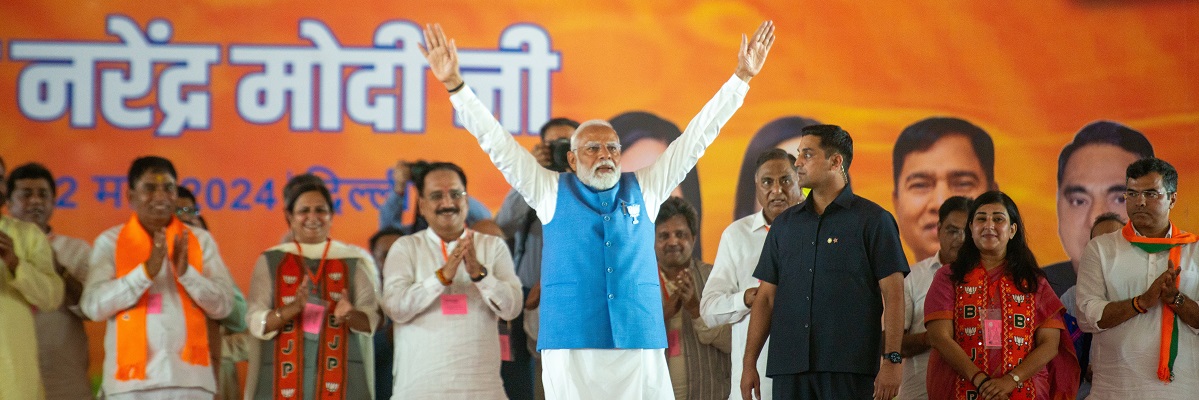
[587, 283]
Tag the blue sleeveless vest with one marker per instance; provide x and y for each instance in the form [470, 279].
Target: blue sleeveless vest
[599, 273]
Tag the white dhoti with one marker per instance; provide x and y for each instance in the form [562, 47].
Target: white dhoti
[606, 374]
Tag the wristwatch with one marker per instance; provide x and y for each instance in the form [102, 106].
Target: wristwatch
[894, 357]
[482, 275]
[1178, 299]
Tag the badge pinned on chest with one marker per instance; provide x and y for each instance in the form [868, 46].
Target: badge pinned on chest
[633, 210]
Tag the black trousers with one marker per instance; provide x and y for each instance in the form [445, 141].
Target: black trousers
[518, 373]
[824, 386]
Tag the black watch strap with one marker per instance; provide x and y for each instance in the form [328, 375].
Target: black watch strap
[480, 277]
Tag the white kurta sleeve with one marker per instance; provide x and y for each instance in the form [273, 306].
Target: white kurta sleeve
[722, 301]
[500, 288]
[406, 294]
[106, 294]
[211, 289]
[1091, 289]
[538, 185]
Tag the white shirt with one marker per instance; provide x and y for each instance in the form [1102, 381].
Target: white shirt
[105, 295]
[62, 342]
[915, 289]
[448, 356]
[723, 299]
[1124, 358]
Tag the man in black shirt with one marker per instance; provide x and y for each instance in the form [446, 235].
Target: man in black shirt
[828, 267]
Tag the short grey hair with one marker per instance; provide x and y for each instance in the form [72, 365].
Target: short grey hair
[587, 124]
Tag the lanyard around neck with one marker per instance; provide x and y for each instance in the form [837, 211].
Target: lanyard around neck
[320, 267]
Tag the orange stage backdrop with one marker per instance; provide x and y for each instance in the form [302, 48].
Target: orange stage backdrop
[85, 87]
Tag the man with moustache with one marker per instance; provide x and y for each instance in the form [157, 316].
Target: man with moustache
[731, 288]
[601, 324]
[157, 283]
[951, 233]
[1136, 294]
[446, 287]
[62, 342]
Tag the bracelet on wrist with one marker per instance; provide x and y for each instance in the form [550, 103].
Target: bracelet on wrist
[441, 277]
[459, 87]
[974, 378]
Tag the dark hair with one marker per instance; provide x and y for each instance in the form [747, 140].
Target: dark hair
[184, 193]
[833, 139]
[1144, 166]
[560, 121]
[1104, 132]
[381, 233]
[30, 171]
[419, 181]
[301, 184]
[767, 137]
[146, 164]
[677, 206]
[923, 134]
[1108, 216]
[633, 126]
[1020, 262]
[954, 204]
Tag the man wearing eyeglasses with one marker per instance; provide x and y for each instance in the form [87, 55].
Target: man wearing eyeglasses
[1136, 293]
[62, 342]
[601, 317]
[446, 287]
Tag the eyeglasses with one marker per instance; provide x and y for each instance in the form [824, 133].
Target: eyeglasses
[441, 195]
[593, 149]
[187, 211]
[1148, 194]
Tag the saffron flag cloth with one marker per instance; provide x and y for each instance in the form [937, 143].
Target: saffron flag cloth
[1173, 244]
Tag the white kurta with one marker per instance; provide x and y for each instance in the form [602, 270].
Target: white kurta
[106, 295]
[1124, 357]
[564, 378]
[915, 290]
[723, 300]
[445, 349]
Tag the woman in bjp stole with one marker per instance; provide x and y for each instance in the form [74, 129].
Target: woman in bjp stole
[313, 305]
[994, 323]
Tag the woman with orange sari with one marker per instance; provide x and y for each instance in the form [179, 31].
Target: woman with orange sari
[994, 323]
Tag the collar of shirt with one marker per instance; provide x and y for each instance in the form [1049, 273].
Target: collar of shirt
[1169, 231]
[844, 200]
[759, 222]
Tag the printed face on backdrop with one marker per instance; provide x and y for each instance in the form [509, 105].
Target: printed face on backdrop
[310, 218]
[777, 187]
[596, 156]
[153, 197]
[948, 168]
[1092, 184]
[673, 241]
[31, 200]
[443, 203]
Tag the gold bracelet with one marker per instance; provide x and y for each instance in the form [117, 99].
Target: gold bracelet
[441, 277]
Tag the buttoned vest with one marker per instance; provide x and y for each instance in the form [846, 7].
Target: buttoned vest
[599, 273]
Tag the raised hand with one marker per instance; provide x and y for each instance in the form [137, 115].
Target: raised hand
[753, 51]
[401, 174]
[442, 56]
[158, 253]
[180, 258]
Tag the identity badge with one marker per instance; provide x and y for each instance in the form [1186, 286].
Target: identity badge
[992, 328]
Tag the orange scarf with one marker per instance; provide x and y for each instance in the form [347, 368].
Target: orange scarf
[334, 338]
[1169, 337]
[133, 248]
[1018, 326]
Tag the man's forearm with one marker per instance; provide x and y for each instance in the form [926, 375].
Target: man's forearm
[759, 327]
[893, 311]
[1116, 312]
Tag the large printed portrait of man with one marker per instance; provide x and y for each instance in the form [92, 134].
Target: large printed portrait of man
[934, 159]
[1090, 182]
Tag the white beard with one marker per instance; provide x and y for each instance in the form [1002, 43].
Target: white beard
[600, 181]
